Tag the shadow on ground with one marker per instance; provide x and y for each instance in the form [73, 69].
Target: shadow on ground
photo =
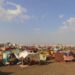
[5, 73]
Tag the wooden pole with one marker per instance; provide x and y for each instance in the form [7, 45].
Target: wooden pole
[22, 61]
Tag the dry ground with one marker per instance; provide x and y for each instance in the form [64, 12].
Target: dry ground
[49, 69]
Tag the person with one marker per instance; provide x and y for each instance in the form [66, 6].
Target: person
[12, 59]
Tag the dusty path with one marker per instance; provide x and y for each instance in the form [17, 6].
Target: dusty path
[50, 69]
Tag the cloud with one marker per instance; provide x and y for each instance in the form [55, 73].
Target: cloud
[19, 9]
[12, 14]
[65, 34]
[69, 25]
[61, 16]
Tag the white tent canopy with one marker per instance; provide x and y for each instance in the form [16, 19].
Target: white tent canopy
[22, 54]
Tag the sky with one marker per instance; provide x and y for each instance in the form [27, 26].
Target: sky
[37, 21]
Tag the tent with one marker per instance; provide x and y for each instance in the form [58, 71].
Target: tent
[7, 53]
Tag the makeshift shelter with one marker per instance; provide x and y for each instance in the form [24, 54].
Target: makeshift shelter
[1, 56]
[7, 54]
[22, 55]
[34, 58]
[31, 57]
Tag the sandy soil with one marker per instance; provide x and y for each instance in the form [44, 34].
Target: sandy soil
[61, 68]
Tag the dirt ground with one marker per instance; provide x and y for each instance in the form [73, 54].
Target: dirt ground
[61, 68]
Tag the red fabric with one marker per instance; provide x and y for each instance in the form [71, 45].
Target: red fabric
[59, 57]
[68, 58]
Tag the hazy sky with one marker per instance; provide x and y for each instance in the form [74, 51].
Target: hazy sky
[37, 21]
